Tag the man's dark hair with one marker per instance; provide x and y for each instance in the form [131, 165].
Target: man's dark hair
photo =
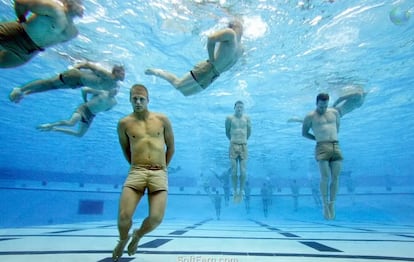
[238, 102]
[322, 97]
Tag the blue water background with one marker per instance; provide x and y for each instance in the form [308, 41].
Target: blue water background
[291, 54]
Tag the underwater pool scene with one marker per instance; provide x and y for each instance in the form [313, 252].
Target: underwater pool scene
[60, 193]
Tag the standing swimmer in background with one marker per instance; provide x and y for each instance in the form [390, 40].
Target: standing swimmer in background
[147, 141]
[266, 193]
[216, 199]
[224, 179]
[352, 98]
[294, 187]
[325, 123]
[224, 49]
[50, 23]
[247, 192]
[238, 129]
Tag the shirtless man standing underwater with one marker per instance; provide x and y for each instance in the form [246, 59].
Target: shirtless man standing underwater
[324, 123]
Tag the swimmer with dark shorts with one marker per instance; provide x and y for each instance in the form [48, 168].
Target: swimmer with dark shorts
[71, 78]
[14, 38]
[204, 73]
[224, 50]
[40, 24]
[82, 74]
[85, 113]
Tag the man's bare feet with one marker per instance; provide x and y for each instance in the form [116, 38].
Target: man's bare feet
[326, 213]
[153, 72]
[45, 127]
[119, 249]
[133, 245]
[332, 210]
[16, 95]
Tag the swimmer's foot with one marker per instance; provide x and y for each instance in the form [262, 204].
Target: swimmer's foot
[236, 197]
[326, 213]
[45, 127]
[16, 95]
[153, 72]
[241, 196]
[331, 207]
[295, 119]
[119, 249]
[133, 245]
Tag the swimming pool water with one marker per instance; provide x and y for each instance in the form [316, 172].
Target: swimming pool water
[291, 54]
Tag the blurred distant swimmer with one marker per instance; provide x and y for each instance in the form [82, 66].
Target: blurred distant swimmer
[82, 74]
[353, 98]
[238, 129]
[50, 23]
[101, 101]
[220, 59]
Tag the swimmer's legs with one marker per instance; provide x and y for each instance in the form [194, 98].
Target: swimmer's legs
[234, 179]
[119, 249]
[186, 85]
[157, 204]
[335, 171]
[325, 171]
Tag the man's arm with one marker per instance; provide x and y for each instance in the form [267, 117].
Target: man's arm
[295, 119]
[356, 95]
[219, 36]
[249, 127]
[306, 126]
[228, 127]
[124, 140]
[87, 90]
[169, 140]
[84, 94]
[100, 71]
[338, 120]
[39, 7]
[215, 173]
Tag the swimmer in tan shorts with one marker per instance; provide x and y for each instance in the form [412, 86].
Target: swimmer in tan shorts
[147, 141]
[238, 130]
[224, 50]
[328, 150]
[151, 178]
[324, 123]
